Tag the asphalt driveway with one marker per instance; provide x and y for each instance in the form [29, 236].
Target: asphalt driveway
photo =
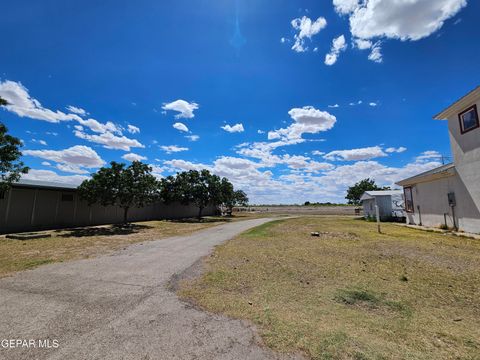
[119, 307]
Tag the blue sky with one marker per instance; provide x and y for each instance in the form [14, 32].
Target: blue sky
[291, 100]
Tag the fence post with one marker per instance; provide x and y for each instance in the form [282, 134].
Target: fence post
[377, 215]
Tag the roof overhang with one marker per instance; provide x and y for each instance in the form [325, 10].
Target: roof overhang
[459, 105]
[432, 175]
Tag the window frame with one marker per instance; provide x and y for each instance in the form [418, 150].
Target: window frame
[407, 208]
[460, 119]
[67, 197]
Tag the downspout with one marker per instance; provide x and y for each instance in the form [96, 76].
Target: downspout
[419, 215]
[453, 216]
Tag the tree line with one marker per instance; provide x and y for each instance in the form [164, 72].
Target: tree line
[135, 186]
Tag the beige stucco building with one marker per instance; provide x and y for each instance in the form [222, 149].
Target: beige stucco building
[450, 195]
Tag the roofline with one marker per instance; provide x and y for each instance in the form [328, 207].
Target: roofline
[460, 104]
[52, 186]
[449, 170]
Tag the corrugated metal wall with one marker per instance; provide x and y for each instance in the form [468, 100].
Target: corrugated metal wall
[27, 209]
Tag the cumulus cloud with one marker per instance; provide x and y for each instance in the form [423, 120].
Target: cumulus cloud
[109, 140]
[52, 176]
[75, 159]
[21, 104]
[404, 20]
[428, 156]
[133, 129]
[77, 110]
[307, 120]
[184, 108]
[237, 128]
[338, 45]
[391, 150]
[306, 29]
[355, 154]
[180, 127]
[134, 157]
[192, 137]
[373, 104]
[173, 148]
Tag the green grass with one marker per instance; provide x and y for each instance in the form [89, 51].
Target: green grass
[351, 293]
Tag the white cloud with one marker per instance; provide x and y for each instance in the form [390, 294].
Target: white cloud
[184, 108]
[41, 142]
[75, 159]
[334, 106]
[77, 110]
[46, 163]
[192, 137]
[306, 30]
[391, 150]
[260, 131]
[401, 19]
[233, 129]
[173, 148]
[48, 175]
[133, 129]
[317, 152]
[355, 154]
[428, 156]
[133, 157]
[109, 140]
[338, 45]
[180, 127]
[373, 104]
[307, 120]
[21, 104]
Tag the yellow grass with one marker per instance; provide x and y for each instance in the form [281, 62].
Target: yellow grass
[350, 293]
[16, 255]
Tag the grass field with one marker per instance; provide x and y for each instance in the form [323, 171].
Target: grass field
[16, 255]
[350, 293]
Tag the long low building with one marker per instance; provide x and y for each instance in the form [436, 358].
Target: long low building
[449, 196]
[38, 205]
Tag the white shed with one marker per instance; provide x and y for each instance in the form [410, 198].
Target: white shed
[390, 203]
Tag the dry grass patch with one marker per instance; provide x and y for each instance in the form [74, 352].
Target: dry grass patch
[67, 244]
[350, 293]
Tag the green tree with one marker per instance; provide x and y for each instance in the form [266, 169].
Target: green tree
[355, 192]
[126, 187]
[200, 188]
[11, 168]
[231, 197]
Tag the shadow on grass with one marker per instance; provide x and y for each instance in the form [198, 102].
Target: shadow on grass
[110, 230]
[205, 220]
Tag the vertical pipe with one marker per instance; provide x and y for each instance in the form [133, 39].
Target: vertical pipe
[7, 210]
[32, 217]
[377, 213]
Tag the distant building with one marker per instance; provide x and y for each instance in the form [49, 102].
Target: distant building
[390, 204]
[449, 196]
[37, 205]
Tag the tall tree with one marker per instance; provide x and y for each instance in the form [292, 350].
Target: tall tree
[126, 187]
[355, 192]
[11, 168]
[200, 188]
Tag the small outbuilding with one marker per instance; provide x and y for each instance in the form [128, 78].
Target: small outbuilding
[390, 204]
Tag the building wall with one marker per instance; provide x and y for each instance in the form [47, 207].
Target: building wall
[28, 209]
[432, 209]
[466, 155]
[385, 207]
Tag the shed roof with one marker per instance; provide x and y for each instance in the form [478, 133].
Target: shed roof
[437, 173]
[372, 194]
[44, 184]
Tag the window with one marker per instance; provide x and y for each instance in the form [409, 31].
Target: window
[67, 197]
[469, 119]
[408, 199]
[2, 194]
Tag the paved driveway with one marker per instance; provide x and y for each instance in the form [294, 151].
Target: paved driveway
[118, 306]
